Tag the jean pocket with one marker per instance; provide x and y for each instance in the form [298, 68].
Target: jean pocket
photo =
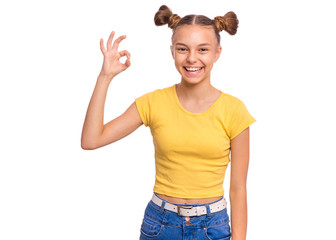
[151, 228]
[218, 232]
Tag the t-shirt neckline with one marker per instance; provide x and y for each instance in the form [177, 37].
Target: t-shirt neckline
[193, 113]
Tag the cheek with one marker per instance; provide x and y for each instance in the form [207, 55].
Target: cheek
[211, 59]
[178, 59]
[206, 59]
[177, 63]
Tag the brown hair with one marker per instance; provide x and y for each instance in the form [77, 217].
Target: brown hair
[228, 22]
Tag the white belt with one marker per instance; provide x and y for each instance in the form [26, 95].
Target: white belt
[189, 211]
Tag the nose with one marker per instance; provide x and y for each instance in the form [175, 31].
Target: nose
[191, 58]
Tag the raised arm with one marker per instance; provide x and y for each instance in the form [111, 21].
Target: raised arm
[238, 199]
[95, 134]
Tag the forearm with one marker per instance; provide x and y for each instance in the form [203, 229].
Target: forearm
[94, 119]
[238, 200]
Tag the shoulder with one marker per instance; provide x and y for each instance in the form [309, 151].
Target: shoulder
[231, 101]
[233, 106]
[158, 93]
[164, 91]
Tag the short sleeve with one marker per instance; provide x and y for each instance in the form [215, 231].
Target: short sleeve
[240, 120]
[143, 104]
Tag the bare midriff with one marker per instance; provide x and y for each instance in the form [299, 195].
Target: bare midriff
[188, 200]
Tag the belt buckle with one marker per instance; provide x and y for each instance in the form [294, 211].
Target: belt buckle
[183, 207]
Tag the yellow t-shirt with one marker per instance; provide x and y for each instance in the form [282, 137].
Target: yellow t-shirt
[191, 149]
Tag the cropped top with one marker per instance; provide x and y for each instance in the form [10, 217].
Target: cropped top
[191, 149]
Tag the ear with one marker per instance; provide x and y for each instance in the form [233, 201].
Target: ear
[172, 51]
[218, 52]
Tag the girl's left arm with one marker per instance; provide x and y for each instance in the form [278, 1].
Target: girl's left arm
[240, 146]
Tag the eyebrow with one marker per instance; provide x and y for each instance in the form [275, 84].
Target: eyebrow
[202, 44]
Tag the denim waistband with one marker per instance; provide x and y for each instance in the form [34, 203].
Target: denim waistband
[194, 205]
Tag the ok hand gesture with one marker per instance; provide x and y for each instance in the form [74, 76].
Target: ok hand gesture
[112, 65]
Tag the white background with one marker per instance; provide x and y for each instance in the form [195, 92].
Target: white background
[281, 64]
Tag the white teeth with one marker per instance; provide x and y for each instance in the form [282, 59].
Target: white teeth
[191, 69]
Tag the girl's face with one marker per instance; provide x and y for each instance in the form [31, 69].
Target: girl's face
[195, 50]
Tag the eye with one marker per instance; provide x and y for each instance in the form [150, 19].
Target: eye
[181, 49]
[204, 50]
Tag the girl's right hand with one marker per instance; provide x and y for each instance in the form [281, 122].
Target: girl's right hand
[112, 65]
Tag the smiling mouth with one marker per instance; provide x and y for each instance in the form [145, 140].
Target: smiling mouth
[192, 69]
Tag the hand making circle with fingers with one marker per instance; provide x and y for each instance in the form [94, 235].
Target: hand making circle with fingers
[111, 64]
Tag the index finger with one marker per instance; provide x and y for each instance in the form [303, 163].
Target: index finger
[117, 41]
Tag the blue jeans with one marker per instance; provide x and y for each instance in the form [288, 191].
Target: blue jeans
[159, 223]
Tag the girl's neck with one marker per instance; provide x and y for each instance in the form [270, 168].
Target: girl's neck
[195, 92]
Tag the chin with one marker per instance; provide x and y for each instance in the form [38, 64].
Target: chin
[189, 81]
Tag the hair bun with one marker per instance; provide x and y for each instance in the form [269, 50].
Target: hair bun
[165, 16]
[229, 23]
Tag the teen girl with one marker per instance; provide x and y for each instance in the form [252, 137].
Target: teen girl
[194, 127]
